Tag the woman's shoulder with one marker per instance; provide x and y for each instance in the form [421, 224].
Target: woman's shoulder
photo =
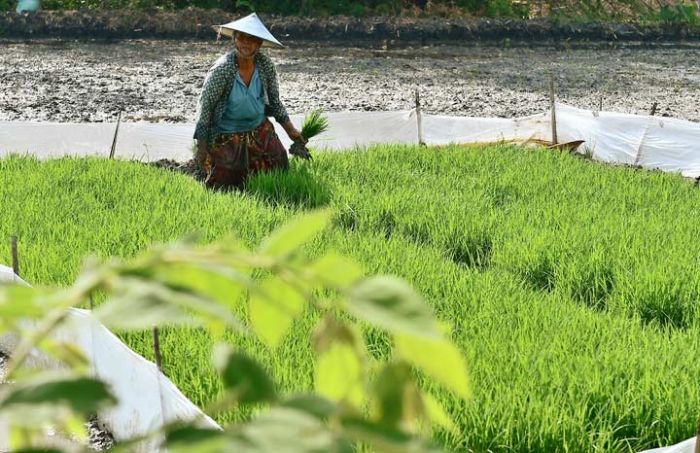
[264, 62]
[224, 60]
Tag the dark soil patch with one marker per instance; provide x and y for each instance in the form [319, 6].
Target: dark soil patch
[188, 168]
[195, 23]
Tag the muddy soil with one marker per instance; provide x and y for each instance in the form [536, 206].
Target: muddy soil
[159, 81]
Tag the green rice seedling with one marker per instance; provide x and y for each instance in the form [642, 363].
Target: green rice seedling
[563, 330]
[346, 218]
[588, 279]
[314, 124]
[296, 187]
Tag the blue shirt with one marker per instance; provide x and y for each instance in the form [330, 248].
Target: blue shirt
[245, 107]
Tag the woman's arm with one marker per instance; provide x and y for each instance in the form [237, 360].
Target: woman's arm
[276, 108]
[293, 133]
[212, 90]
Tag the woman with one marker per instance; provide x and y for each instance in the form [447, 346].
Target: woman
[234, 136]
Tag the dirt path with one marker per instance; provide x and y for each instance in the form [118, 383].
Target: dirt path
[160, 80]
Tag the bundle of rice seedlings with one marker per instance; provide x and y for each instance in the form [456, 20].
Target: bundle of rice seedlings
[314, 124]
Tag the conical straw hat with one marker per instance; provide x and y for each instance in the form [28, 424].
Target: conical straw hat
[252, 25]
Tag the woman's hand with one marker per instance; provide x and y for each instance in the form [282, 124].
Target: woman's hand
[202, 157]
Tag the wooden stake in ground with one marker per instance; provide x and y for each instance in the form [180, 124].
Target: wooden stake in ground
[653, 109]
[552, 101]
[419, 120]
[156, 349]
[114, 141]
[600, 103]
[15, 258]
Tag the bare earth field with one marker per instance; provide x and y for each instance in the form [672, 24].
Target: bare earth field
[71, 81]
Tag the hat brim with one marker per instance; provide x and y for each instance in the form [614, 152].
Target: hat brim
[251, 25]
[229, 32]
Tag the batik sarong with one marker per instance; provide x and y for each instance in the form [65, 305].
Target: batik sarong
[233, 157]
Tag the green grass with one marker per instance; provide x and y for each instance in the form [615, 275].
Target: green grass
[571, 287]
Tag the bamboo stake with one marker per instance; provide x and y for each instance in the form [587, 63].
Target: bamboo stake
[15, 258]
[114, 141]
[552, 99]
[156, 349]
[653, 109]
[419, 120]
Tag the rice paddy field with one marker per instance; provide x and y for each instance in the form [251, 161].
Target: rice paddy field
[571, 287]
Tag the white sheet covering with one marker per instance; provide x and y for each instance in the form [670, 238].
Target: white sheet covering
[652, 142]
[687, 446]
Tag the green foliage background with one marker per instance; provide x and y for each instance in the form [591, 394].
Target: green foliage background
[672, 11]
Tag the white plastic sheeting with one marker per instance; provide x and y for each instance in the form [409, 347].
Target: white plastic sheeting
[666, 144]
[141, 141]
[147, 398]
[153, 141]
[651, 142]
[443, 130]
[687, 446]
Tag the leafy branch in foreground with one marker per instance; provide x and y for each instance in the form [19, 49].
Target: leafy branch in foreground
[356, 400]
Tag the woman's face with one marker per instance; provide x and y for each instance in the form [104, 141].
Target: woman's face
[247, 45]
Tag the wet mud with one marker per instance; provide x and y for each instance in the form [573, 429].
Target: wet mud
[160, 81]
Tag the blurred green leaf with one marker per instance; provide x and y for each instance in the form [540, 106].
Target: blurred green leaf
[438, 358]
[337, 271]
[223, 285]
[340, 368]
[67, 353]
[397, 397]
[243, 376]
[296, 233]
[39, 450]
[141, 304]
[283, 429]
[436, 413]
[311, 404]
[19, 301]
[386, 440]
[391, 303]
[190, 439]
[80, 394]
[273, 307]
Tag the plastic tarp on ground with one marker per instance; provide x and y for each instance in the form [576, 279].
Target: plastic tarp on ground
[651, 142]
[154, 141]
[147, 398]
[687, 446]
